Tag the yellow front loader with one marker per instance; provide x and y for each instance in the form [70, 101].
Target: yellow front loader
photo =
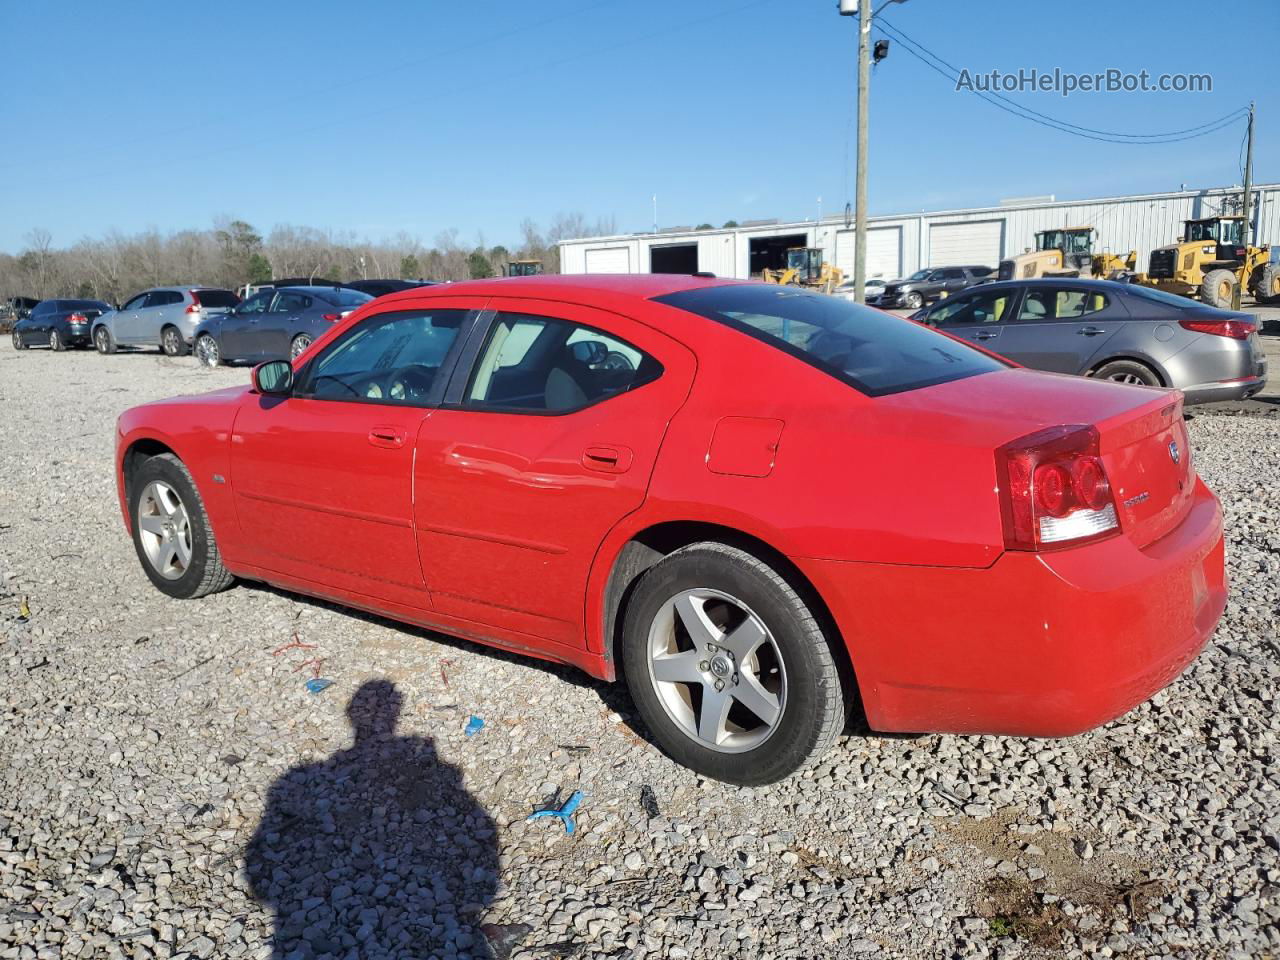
[805, 268]
[1211, 260]
[1067, 252]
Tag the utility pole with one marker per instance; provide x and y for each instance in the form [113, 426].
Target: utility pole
[860, 178]
[1248, 213]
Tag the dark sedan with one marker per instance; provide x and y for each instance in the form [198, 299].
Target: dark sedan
[380, 288]
[274, 324]
[1112, 331]
[58, 324]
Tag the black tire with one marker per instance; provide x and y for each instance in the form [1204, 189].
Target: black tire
[204, 574]
[103, 341]
[1217, 288]
[172, 343]
[18, 342]
[914, 301]
[299, 344]
[813, 707]
[1127, 371]
[1268, 289]
[56, 343]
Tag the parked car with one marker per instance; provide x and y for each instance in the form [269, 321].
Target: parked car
[1111, 331]
[925, 286]
[164, 317]
[872, 290]
[58, 324]
[249, 289]
[273, 324]
[380, 288]
[575, 468]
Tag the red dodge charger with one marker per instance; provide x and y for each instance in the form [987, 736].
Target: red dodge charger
[762, 507]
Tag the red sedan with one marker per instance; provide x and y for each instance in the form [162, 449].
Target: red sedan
[762, 507]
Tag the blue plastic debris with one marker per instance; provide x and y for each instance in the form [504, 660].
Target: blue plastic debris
[474, 726]
[564, 814]
[318, 685]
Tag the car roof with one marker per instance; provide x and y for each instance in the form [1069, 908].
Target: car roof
[637, 286]
[317, 288]
[1082, 283]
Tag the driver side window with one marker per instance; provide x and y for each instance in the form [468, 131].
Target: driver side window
[258, 303]
[390, 358]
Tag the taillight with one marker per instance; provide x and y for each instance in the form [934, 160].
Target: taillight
[1054, 490]
[77, 318]
[333, 317]
[1235, 329]
[194, 306]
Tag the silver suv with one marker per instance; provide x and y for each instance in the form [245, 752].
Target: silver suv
[164, 317]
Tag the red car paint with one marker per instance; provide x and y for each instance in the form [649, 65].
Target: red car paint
[505, 528]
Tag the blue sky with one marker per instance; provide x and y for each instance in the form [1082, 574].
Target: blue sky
[421, 116]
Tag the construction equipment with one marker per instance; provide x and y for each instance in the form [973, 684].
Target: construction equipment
[524, 268]
[805, 268]
[1213, 258]
[1066, 252]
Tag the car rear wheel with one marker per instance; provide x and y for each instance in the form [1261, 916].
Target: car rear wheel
[55, 341]
[1217, 288]
[103, 340]
[171, 531]
[914, 301]
[207, 350]
[728, 666]
[171, 342]
[299, 344]
[1127, 371]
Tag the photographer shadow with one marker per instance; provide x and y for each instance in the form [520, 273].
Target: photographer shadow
[376, 851]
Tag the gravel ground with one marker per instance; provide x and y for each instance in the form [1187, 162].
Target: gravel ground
[171, 789]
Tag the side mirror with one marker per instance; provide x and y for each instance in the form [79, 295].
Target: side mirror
[590, 352]
[274, 378]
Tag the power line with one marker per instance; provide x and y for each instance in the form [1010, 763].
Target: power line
[927, 57]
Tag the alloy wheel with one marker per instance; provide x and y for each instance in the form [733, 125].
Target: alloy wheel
[171, 342]
[164, 529]
[300, 343]
[17, 341]
[100, 339]
[717, 670]
[54, 342]
[207, 351]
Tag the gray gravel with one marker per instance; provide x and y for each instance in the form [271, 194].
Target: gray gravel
[172, 790]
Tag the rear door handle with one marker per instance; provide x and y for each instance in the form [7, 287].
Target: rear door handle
[385, 436]
[607, 459]
[986, 334]
[1091, 331]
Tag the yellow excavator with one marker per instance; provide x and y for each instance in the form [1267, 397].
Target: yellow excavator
[1066, 252]
[806, 269]
[1212, 259]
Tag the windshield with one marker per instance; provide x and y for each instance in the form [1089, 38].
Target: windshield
[1203, 230]
[1077, 241]
[872, 351]
[1049, 240]
[920, 275]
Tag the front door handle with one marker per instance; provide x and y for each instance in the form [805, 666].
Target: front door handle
[985, 335]
[386, 436]
[607, 459]
[1091, 331]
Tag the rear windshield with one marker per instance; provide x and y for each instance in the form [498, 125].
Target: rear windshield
[875, 352]
[347, 299]
[84, 305]
[215, 298]
[1161, 296]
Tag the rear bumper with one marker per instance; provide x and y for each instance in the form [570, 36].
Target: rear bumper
[1036, 645]
[1232, 390]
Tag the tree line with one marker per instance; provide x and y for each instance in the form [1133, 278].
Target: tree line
[233, 252]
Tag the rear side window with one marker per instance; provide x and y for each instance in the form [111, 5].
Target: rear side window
[215, 298]
[535, 364]
[874, 352]
[1056, 303]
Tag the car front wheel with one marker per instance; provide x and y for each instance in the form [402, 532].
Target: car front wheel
[728, 666]
[171, 531]
[914, 301]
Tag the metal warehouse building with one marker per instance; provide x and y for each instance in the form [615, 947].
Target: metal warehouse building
[900, 245]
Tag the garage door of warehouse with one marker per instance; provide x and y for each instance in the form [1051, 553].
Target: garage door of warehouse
[884, 252]
[980, 243]
[609, 260]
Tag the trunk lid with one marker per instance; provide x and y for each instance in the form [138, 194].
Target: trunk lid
[1138, 427]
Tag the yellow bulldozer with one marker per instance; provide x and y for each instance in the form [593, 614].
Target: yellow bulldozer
[806, 269]
[1066, 252]
[1212, 259]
